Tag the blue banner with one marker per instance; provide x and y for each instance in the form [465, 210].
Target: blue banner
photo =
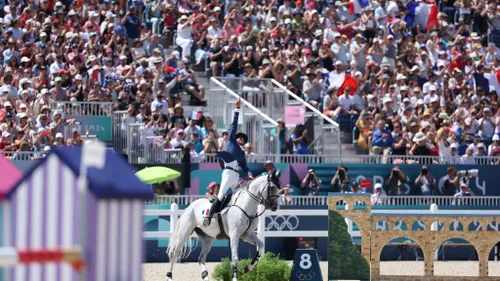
[485, 184]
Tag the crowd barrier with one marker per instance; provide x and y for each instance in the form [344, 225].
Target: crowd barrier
[120, 144]
[360, 159]
[322, 201]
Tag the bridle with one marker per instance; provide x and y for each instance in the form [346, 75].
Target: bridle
[259, 198]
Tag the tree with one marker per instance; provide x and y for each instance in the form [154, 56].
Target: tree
[344, 259]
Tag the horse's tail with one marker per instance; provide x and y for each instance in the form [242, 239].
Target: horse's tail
[177, 246]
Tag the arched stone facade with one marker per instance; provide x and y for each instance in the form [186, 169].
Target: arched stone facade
[373, 240]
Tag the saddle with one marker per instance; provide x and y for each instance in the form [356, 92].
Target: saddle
[224, 204]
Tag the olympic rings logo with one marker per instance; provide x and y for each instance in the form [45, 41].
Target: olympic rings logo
[281, 223]
[308, 276]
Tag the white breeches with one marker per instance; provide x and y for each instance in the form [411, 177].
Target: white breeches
[230, 179]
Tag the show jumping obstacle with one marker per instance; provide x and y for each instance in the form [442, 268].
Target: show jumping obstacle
[357, 208]
[41, 229]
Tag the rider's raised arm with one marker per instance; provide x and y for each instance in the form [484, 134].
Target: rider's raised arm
[234, 126]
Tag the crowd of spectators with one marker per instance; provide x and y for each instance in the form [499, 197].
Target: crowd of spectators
[417, 90]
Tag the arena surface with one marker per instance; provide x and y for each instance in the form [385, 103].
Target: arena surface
[191, 271]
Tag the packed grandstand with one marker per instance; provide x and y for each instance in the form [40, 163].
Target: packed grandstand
[404, 82]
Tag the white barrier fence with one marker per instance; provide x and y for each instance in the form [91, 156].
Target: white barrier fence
[323, 200]
[283, 223]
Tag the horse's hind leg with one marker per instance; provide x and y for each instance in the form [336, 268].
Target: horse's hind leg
[206, 245]
[252, 238]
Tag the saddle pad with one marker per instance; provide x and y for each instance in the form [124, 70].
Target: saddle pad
[205, 213]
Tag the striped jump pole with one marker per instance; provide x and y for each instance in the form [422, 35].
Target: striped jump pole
[10, 256]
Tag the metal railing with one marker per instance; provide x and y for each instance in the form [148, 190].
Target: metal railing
[83, 108]
[328, 139]
[441, 200]
[22, 155]
[260, 128]
[188, 199]
[357, 159]
[120, 130]
[410, 159]
[493, 201]
[272, 98]
[144, 149]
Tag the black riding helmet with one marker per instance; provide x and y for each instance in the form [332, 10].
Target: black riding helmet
[243, 136]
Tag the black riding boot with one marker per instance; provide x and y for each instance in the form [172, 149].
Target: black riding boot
[213, 210]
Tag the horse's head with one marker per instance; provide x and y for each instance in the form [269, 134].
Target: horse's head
[267, 189]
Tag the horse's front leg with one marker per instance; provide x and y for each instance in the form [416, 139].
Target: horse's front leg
[252, 238]
[234, 240]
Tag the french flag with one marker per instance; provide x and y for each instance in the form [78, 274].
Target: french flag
[425, 15]
[205, 212]
[494, 81]
[340, 81]
[355, 6]
[391, 22]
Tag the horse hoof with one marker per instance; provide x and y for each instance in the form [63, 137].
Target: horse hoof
[247, 269]
[169, 276]
[204, 275]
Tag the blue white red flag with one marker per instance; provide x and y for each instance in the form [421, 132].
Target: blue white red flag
[391, 23]
[355, 6]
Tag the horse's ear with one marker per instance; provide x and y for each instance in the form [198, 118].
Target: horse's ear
[276, 174]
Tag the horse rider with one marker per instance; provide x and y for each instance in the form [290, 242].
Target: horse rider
[230, 159]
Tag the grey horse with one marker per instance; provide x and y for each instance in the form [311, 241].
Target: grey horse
[239, 220]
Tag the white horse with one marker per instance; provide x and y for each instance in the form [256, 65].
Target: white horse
[239, 220]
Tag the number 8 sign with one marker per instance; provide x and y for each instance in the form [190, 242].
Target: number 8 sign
[306, 266]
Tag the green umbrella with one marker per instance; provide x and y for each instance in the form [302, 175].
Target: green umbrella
[157, 174]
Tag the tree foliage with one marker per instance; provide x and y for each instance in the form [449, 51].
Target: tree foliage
[344, 259]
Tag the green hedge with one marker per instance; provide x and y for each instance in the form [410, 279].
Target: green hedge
[270, 267]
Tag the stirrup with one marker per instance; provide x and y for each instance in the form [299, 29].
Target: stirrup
[207, 221]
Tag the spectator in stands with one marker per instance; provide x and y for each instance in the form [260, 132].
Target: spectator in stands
[355, 188]
[311, 183]
[192, 128]
[365, 126]
[268, 167]
[451, 182]
[460, 196]
[222, 141]
[249, 149]
[495, 144]
[299, 140]
[281, 134]
[178, 141]
[395, 183]
[312, 88]
[378, 196]
[426, 181]
[285, 198]
[348, 105]
[188, 80]
[210, 144]
[340, 181]
[420, 146]
[212, 190]
[382, 141]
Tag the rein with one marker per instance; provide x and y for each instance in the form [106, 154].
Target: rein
[260, 200]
